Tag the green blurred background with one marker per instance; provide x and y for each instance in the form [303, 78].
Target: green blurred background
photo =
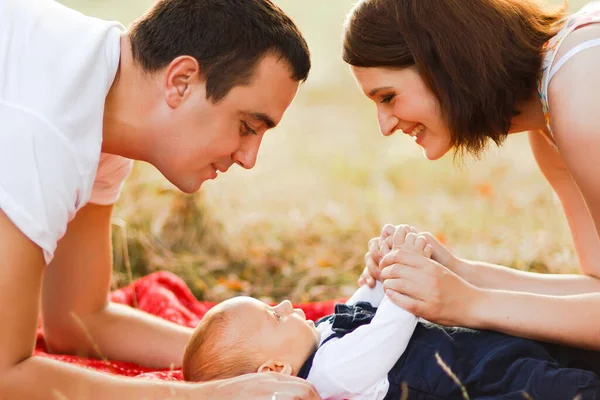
[297, 225]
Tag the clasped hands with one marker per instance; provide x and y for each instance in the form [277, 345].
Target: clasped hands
[425, 284]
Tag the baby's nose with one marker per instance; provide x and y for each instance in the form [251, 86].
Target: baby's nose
[285, 307]
[300, 312]
[288, 305]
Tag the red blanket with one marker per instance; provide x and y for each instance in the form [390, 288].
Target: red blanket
[167, 296]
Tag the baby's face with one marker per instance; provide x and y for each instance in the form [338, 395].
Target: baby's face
[279, 332]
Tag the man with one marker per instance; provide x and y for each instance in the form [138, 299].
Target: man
[191, 88]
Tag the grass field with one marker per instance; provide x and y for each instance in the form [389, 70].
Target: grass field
[297, 225]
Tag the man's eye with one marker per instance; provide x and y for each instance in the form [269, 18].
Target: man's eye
[387, 99]
[247, 130]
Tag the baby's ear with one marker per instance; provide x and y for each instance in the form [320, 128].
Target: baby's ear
[275, 366]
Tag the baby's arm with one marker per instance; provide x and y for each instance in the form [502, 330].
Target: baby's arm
[371, 295]
[358, 362]
[364, 293]
[354, 363]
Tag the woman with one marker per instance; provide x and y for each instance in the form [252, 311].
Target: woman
[454, 74]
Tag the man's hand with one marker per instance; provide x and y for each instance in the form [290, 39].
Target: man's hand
[264, 386]
[378, 248]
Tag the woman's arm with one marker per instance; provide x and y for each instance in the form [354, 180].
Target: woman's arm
[568, 320]
[575, 103]
[490, 276]
[497, 277]
[429, 290]
[572, 173]
[583, 231]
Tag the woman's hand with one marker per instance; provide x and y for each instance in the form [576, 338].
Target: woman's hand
[441, 254]
[426, 288]
[379, 247]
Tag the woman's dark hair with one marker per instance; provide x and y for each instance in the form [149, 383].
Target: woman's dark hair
[480, 58]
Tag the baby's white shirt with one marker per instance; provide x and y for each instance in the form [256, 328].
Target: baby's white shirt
[356, 366]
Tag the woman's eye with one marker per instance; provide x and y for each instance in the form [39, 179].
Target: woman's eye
[277, 316]
[387, 99]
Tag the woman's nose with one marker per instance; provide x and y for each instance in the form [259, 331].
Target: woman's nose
[387, 122]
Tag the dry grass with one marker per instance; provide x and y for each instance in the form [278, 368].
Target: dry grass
[297, 225]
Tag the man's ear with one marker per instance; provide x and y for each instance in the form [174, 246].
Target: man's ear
[179, 75]
[276, 366]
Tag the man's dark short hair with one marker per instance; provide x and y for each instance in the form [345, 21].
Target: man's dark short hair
[228, 38]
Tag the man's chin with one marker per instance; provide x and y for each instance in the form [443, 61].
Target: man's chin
[188, 187]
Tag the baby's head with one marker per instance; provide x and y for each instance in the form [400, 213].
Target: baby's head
[244, 335]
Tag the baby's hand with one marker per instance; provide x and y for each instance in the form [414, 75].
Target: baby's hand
[439, 252]
[412, 242]
[378, 248]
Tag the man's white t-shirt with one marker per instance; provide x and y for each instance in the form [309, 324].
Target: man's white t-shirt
[56, 68]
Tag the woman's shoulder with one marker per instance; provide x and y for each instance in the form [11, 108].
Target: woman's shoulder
[580, 32]
[575, 63]
[577, 29]
[574, 91]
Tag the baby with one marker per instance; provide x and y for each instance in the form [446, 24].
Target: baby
[372, 349]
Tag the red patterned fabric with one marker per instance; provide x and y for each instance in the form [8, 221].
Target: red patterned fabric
[167, 296]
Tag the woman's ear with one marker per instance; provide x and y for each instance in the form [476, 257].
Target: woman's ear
[276, 366]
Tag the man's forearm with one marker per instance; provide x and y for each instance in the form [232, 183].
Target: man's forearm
[44, 379]
[122, 333]
[568, 320]
[490, 276]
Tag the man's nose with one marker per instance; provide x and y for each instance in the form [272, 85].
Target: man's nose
[247, 154]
